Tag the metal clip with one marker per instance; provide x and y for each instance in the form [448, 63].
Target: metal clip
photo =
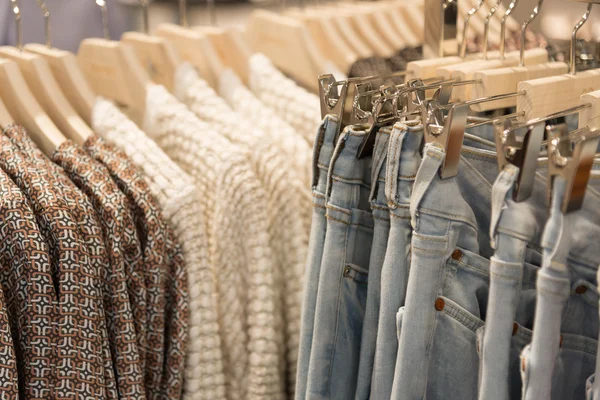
[448, 133]
[521, 152]
[570, 157]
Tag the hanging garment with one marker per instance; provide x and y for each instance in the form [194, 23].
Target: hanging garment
[292, 103]
[562, 353]
[381, 231]
[342, 289]
[291, 144]
[125, 294]
[78, 257]
[31, 310]
[323, 151]
[8, 359]
[250, 310]
[166, 277]
[180, 201]
[448, 282]
[516, 229]
[403, 160]
[288, 223]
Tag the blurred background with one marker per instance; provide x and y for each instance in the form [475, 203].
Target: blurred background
[73, 20]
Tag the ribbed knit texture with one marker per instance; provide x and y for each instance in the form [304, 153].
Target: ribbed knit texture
[293, 104]
[234, 205]
[291, 144]
[177, 195]
[288, 201]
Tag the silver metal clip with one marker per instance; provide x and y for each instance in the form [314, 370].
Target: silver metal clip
[571, 156]
[521, 152]
[449, 132]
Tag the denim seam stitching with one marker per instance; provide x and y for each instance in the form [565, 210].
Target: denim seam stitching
[407, 218]
[467, 320]
[438, 213]
[428, 250]
[553, 293]
[506, 277]
[337, 314]
[335, 208]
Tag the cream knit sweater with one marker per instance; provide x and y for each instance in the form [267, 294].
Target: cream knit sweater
[235, 208]
[288, 202]
[178, 197]
[291, 144]
[292, 103]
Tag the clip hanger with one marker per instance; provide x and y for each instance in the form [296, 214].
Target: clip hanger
[521, 152]
[448, 133]
[570, 157]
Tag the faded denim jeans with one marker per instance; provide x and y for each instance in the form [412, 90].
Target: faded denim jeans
[403, 160]
[562, 354]
[448, 283]
[381, 231]
[323, 151]
[342, 294]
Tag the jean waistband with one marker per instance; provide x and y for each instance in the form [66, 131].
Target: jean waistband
[377, 194]
[323, 150]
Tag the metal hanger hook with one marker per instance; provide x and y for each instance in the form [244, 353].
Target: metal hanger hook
[581, 22]
[17, 12]
[145, 16]
[104, 10]
[486, 31]
[47, 31]
[533, 16]
[473, 11]
[509, 11]
[183, 20]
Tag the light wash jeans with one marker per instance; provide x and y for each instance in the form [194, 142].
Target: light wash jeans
[381, 231]
[448, 283]
[341, 298]
[516, 230]
[403, 160]
[323, 151]
[562, 354]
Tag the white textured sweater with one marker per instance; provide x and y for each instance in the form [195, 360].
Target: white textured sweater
[291, 144]
[235, 208]
[289, 204]
[179, 199]
[294, 104]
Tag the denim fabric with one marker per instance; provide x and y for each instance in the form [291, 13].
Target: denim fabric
[516, 230]
[448, 284]
[403, 162]
[562, 354]
[381, 231]
[342, 293]
[323, 151]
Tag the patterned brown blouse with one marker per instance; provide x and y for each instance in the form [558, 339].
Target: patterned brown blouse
[124, 289]
[69, 226]
[30, 299]
[166, 277]
[9, 387]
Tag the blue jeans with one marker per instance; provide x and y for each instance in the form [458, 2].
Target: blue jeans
[341, 298]
[562, 354]
[449, 279]
[323, 151]
[381, 231]
[516, 236]
[403, 161]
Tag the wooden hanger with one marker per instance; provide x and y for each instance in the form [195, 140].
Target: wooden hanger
[156, 54]
[546, 96]
[400, 20]
[327, 37]
[66, 72]
[362, 24]
[196, 48]
[5, 117]
[288, 44]
[343, 23]
[114, 72]
[380, 22]
[23, 106]
[46, 90]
